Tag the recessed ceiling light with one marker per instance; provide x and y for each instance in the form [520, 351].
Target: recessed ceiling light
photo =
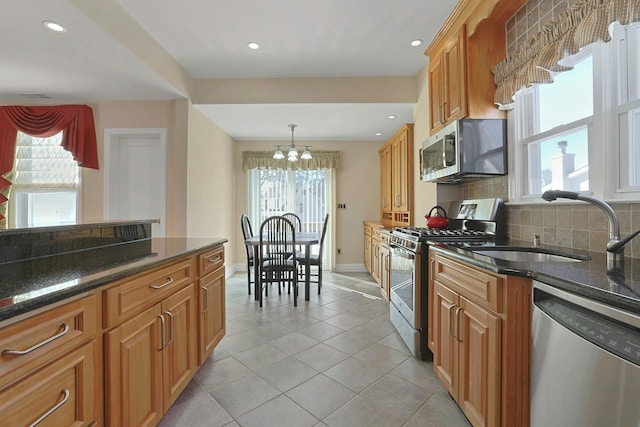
[378, 133]
[253, 45]
[416, 42]
[391, 117]
[55, 27]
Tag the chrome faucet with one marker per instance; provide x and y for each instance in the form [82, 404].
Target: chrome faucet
[615, 246]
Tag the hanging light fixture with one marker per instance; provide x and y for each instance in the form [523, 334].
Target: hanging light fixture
[292, 154]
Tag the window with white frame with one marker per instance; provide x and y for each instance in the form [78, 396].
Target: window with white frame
[584, 125]
[45, 182]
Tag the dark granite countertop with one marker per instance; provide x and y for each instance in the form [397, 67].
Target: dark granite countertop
[34, 283]
[588, 278]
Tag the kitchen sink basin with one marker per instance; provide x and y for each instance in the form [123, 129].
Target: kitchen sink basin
[528, 255]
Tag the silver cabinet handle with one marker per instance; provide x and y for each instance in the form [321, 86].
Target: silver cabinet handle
[162, 333]
[218, 258]
[432, 272]
[206, 299]
[457, 324]
[65, 397]
[65, 329]
[168, 282]
[171, 327]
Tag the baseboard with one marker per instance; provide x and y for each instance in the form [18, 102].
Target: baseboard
[350, 268]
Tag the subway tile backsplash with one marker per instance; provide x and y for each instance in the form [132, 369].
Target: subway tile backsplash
[575, 225]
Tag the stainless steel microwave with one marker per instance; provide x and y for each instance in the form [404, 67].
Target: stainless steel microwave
[465, 149]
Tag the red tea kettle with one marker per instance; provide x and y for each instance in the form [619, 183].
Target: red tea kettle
[435, 220]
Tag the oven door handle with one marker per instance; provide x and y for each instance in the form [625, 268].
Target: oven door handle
[400, 251]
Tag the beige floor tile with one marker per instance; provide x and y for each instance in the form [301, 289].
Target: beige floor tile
[418, 372]
[439, 411]
[215, 373]
[361, 412]
[260, 356]
[395, 393]
[345, 321]
[293, 343]
[321, 331]
[194, 408]
[278, 412]
[381, 355]
[356, 374]
[394, 341]
[348, 343]
[244, 394]
[287, 373]
[240, 342]
[321, 357]
[321, 395]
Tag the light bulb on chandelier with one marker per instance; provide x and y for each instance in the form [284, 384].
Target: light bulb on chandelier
[292, 154]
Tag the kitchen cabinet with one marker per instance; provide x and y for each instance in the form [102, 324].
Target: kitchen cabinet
[48, 369]
[447, 83]
[375, 257]
[151, 353]
[461, 55]
[396, 167]
[479, 331]
[367, 246]
[211, 286]
[385, 265]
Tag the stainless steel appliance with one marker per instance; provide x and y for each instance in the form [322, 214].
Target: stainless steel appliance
[470, 221]
[466, 148]
[585, 367]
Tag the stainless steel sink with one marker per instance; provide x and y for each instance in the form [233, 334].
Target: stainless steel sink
[528, 254]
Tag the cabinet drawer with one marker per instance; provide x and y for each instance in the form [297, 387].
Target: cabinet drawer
[478, 285]
[132, 295]
[31, 343]
[210, 260]
[60, 394]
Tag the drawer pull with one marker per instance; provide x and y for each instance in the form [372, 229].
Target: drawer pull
[206, 299]
[171, 327]
[216, 259]
[65, 329]
[66, 393]
[168, 282]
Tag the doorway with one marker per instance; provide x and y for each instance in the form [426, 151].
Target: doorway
[135, 176]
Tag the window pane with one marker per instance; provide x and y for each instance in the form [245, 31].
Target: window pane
[274, 188]
[632, 160]
[559, 163]
[51, 208]
[568, 98]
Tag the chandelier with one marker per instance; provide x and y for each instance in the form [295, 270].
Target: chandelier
[292, 154]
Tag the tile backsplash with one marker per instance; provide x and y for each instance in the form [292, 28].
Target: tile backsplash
[571, 225]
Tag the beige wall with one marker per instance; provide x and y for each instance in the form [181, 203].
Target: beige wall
[210, 182]
[357, 185]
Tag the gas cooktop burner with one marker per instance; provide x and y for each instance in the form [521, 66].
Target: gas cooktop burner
[423, 234]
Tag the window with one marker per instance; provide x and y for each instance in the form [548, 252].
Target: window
[45, 183]
[584, 124]
[276, 191]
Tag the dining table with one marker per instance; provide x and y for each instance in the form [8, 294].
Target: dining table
[305, 239]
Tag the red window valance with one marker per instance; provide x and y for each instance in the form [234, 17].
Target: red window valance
[76, 122]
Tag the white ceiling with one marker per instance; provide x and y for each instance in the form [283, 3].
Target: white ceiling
[208, 38]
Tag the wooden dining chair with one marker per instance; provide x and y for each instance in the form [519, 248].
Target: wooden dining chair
[315, 260]
[295, 220]
[278, 262]
[247, 233]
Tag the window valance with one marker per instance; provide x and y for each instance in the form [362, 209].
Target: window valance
[586, 22]
[265, 160]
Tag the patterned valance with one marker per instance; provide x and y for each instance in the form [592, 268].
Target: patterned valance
[265, 160]
[586, 22]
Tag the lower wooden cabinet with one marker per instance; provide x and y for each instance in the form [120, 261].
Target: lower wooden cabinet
[212, 312]
[58, 394]
[479, 332]
[149, 360]
[385, 267]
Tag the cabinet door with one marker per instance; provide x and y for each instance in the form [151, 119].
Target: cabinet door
[367, 252]
[479, 364]
[180, 353]
[60, 394]
[212, 312]
[375, 259]
[133, 359]
[400, 171]
[436, 93]
[445, 357]
[385, 179]
[455, 104]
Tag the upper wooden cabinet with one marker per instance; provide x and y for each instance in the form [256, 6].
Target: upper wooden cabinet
[469, 44]
[396, 185]
[447, 83]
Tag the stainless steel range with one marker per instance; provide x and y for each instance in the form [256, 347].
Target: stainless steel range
[470, 221]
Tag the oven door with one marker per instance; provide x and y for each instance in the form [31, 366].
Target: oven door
[405, 294]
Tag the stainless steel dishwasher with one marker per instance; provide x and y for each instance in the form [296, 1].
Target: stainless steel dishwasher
[585, 365]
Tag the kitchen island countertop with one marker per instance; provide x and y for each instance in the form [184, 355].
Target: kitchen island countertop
[30, 284]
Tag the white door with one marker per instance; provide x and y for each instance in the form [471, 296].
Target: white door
[135, 176]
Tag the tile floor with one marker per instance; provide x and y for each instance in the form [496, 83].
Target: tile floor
[335, 360]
